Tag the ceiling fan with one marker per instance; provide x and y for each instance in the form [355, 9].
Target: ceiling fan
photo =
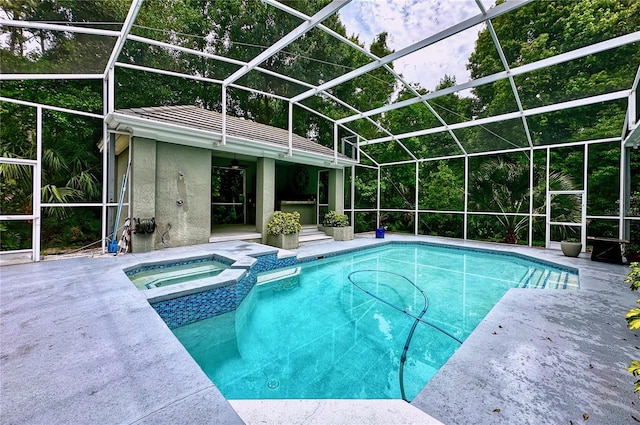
[235, 164]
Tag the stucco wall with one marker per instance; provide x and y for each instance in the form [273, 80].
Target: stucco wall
[143, 189]
[164, 174]
[265, 194]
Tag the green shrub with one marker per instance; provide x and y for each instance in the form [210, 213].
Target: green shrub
[284, 223]
[633, 317]
[333, 219]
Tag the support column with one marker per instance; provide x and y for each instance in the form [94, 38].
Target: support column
[111, 181]
[336, 190]
[265, 194]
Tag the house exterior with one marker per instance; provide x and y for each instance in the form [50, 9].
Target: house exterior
[188, 177]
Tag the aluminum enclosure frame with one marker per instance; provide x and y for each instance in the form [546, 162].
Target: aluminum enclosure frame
[629, 134]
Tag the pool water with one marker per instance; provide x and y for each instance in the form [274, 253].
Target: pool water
[172, 274]
[310, 333]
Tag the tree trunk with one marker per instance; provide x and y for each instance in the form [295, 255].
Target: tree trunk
[511, 236]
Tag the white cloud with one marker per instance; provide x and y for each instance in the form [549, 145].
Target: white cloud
[409, 21]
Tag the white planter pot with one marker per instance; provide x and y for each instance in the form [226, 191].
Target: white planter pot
[571, 249]
[339, 233]
[343, 233]
[284, 241]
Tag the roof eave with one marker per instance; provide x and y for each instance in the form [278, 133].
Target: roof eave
[633, 138]
[189, 136]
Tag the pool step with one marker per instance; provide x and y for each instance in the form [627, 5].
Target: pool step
[236, 236]
[549, 279]
[310, 234]
[169, 275]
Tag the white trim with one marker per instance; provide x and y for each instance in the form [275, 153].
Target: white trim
[371, 167]
[105, 161]
[391, 164]
[55, 27]
[531, 200]
[547, 198]
[313, 111]
[250, 90]
[8, 77]
[110, 100]
[18, 217]
[622, 198]
[565, 223]
[169, 73]
[79, 205]
[440, 212]
[37, 189]
[223, 101]
[290, 130]
[352, 198]
[416, 199]
[18, 161]
[631, 116]
[636, 80]
[466, 198]
[377, 198]
[633, 138]
[566, 192]
[584, 197]
[51, 108]
[164, 45]
[335, 143]
[606, 217]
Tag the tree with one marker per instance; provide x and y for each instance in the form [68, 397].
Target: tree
[502, 185]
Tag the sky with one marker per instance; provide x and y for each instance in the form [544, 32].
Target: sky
[409, 21]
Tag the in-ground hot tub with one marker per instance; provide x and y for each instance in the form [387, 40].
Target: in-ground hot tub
[155, 275]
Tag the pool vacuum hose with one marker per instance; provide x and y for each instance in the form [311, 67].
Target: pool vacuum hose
[417, 320]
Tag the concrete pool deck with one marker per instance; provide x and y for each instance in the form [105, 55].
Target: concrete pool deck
[79, 344]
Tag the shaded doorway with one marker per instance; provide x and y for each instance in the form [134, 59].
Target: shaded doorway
[228, 196]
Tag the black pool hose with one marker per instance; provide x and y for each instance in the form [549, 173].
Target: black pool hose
[417, 320]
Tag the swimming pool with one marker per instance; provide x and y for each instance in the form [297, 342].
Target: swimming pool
[310, 332]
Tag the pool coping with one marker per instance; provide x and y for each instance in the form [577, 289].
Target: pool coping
[60, 310]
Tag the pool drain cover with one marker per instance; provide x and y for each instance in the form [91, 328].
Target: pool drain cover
[272, 384]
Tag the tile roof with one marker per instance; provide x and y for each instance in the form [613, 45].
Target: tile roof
[203, 119]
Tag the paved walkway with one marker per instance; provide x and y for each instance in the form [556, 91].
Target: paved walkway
[79, 344]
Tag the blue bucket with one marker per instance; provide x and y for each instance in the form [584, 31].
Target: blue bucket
[380, 233]
[112, 248]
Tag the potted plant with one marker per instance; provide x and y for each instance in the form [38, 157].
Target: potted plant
[283, 229]
[632, 252]
[570, 245]
[337, 225]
